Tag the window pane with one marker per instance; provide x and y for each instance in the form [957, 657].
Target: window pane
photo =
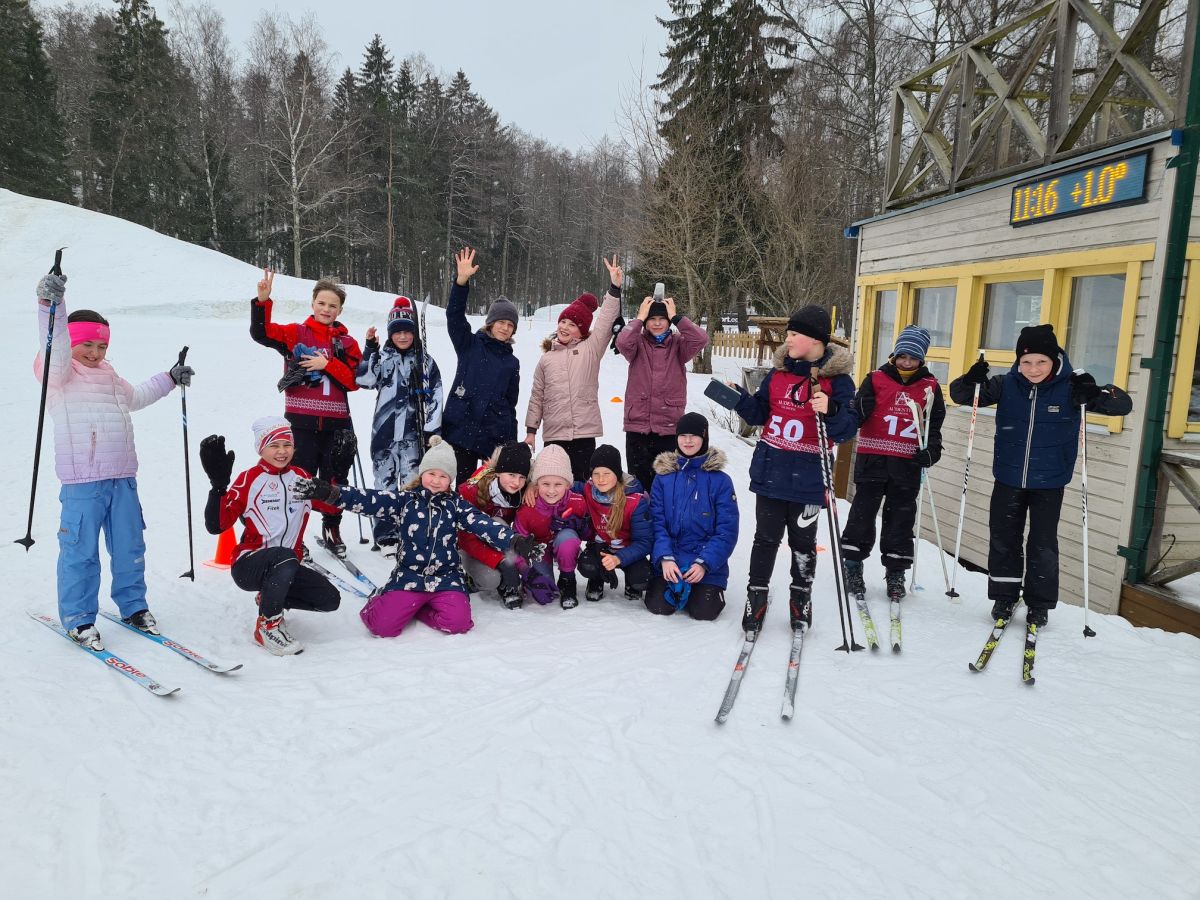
[934, 309]
[939, 370]
[1007, 308]
[885, 326]
[1095, 324]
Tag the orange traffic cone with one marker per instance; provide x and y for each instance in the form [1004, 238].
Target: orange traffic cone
[223, 558]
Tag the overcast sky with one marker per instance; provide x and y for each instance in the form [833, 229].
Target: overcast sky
[556, 68]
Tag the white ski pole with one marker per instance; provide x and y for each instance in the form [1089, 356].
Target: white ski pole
[912, 583]
[922, 422]
[1087, 631]
[962, 503]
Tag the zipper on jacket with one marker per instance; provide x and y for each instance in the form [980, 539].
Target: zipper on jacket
[1029, 435]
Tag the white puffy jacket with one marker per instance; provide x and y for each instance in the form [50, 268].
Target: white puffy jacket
[93, 433]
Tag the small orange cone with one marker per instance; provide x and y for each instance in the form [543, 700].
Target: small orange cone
[226, 543]
[616, 399]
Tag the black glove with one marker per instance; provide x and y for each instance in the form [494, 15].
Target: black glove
[316, 489]
[371, 345]
[295, 376]
[528, 547]
[181, 374]
[509, 576]
[216, 461]
[1083, 389]
[923, 458]
[978, 373]
[341, 457]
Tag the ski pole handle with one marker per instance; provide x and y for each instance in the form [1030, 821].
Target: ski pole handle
[182, 356]
[56, 269]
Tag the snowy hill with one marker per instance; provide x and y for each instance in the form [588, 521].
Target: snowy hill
[547, 753]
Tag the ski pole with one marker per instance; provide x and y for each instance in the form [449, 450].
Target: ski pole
[835, 531]
[56, 269]
[923, 439]
[1087, 631]
[362, 484]
[187, 475]
[962, 502]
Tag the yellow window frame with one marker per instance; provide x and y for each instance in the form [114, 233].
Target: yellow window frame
[1185, 356]
[906, 310]
[868, 340]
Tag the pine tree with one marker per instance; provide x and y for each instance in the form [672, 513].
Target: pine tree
[135, 128]
[32, 147]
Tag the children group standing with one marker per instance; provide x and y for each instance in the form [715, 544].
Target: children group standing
[670, 525]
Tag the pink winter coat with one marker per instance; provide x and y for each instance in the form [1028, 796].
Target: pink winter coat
[566, 383]
[93, 433]
[656, 394]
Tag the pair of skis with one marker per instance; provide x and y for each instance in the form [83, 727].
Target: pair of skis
[131, 671]
[365, 587]
[743, 661]
[1028, 657]
[872, 637]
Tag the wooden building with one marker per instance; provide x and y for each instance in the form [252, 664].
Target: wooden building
[1046, 172]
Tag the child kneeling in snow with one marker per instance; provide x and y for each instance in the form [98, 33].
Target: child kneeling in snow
[267, 558]
[96, 463]
[495, 489]
[554, 515]
[620, 521]
[695, 516]
[428, 581]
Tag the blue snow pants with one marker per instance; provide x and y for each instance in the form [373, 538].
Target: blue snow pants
[111, 504]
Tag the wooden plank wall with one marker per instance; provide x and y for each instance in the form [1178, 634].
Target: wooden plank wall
[973, 228]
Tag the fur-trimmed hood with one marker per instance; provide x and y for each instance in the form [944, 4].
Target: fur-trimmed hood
[836, 361]
[668, 462]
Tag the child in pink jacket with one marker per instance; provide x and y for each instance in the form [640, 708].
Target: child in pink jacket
[96, 463]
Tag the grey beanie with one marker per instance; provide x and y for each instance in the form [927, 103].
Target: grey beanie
[439, 456]
[504, 309]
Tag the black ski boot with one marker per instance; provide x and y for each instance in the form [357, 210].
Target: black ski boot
[1003, 609]
[852, 570]
[510, 596]
[800, 606]
[567, 595]
[1037, 617]
[595, 589]
[332, 535]
[756, 609]
[143, 621]
[894, 579]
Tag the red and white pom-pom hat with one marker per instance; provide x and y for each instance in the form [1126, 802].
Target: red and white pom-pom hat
[402, 316]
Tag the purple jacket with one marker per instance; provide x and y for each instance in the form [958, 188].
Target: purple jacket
[656, 395]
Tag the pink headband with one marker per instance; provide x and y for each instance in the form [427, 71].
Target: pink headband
[87, 331]
[282, 433]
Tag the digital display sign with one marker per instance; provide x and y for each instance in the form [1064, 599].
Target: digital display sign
[1115, 182]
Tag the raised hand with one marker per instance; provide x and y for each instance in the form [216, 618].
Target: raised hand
[371, 334]
[644, 309]
[464, 259]
[264, 285]
[616, 275]
[216, 461]
[670, 304]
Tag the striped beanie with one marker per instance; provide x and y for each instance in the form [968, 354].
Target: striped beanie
[913, 341]
[269, 429]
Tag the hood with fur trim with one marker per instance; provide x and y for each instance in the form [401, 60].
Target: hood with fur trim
[668, 462]
[837, 361]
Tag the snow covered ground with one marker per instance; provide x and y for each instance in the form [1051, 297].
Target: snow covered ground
[547, 753]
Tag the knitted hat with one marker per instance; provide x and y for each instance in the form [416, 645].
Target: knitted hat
[609, 457]
[657, 308]
[1038, 339]
[553, 460]
[269, 429]
[812, 321]
[913, 341]
[402, 317]
[502, 310]
[440, 457]
[514, 458]
[580, 312]
[694, 423]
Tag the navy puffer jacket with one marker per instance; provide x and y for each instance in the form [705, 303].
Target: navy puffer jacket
[695, 514]
[481, 405]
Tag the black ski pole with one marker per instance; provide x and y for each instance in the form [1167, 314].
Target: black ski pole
[835, 531]
[28, 541]
[362, 485]
[187, 476]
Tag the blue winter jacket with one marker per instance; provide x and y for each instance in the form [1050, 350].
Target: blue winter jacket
[428, 524]
[1037, 425]
[481, 406]
[782, 474]
[695, 514]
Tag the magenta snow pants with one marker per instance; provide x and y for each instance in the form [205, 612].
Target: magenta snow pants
[387, 614]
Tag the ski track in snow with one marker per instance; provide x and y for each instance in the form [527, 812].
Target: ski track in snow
[546, 753]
